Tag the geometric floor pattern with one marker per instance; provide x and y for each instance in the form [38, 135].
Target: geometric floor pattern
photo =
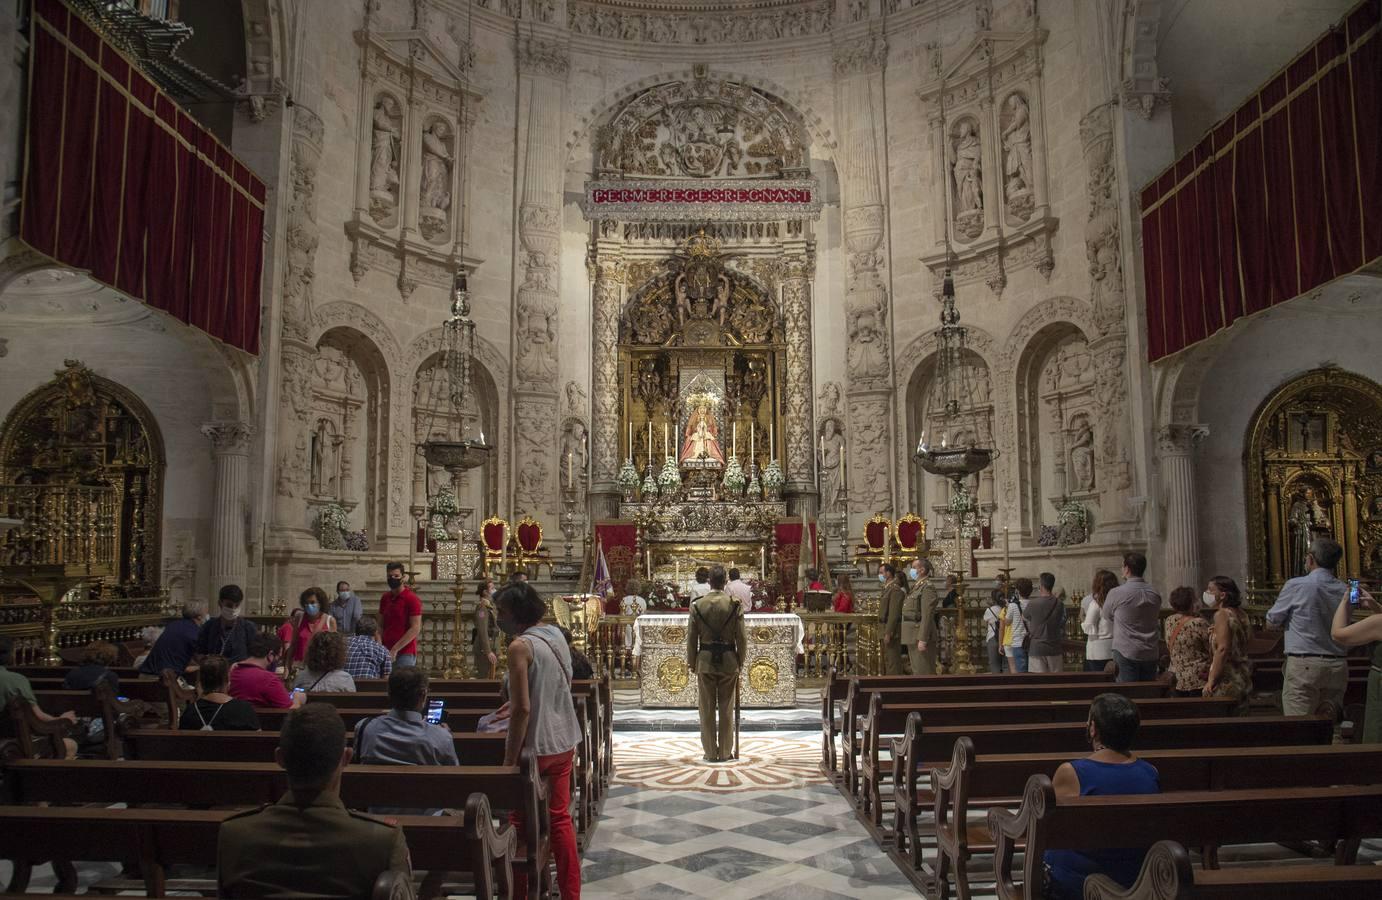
[799, 843]
[674, 761]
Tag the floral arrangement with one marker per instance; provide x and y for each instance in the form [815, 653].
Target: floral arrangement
[649, 488]
[754, 490]
[669, 480]
[662, 595]
[773, 480]
[734, 477]
[444, 504]
[1072, 523]
[436, 529]
[356, 541]
[627, 479]
[331, 525]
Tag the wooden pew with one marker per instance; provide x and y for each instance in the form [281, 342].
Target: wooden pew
[837, 687]
[60, 672]
[24, 736]
[922, 746]
[159, 838]
[1341, 814]
[388, 886]
[972, 779]
[258, 746]
[1167, 875]
[986, 692]
[271, 719]
[117, 716]
[251, 784]
[149, 690]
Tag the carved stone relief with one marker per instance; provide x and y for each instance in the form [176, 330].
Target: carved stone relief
[385, 149]
[534, 424]
[434, 192]
[302, 235]
[796, 313]
[988, 162]
[604, 390]
[1103, 239]
[870, 482]
[723, 26]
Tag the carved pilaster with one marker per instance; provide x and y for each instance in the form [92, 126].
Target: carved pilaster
[1176, 444]
[607, 273]
[230, 442]
[798, 420]
[302, 225]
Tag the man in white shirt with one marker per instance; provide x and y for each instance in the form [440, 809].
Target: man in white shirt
[702, 585]
[739, 589]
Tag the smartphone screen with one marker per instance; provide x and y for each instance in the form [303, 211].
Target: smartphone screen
[123, 699]
[1353, 591]
[299, 690]
[434, 711]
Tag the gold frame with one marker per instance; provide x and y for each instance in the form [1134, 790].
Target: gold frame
[1339, 466]
[921, 535]
[878, 519]
[490, 555]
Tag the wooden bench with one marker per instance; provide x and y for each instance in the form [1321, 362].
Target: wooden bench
[837, 687]
[972, 780]
[986, 693]
[258, 746]
[159, 838]
[251, 784]
[1167, 875]
[921, 746]
[1340, 814]
[117, 716]
[149, 690]
[271, 719]
[388, 886]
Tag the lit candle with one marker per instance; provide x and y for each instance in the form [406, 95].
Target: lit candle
[751, 431]
[570, 478]
[666, 448]
[1007, 564]
[772, 445]
[844, 481]
[482, 436]
[650, 442]
[630, 441]
[734, 441]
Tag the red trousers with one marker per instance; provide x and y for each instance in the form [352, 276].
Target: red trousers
[556, 772]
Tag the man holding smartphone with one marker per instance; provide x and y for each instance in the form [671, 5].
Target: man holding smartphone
[1315, 669]
[403, 736]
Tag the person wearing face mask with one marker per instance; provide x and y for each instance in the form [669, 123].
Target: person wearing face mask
[890, 617]
[1187, 640]
[229, 634]
[919, 632]
[1111, 769]
[308, 619]
[1230, 672]
[345, 608]
[400, 618]
[993, 630]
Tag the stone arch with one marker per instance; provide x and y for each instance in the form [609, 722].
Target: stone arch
[795, 103]
[360, 346]
[1073, 310]
[365, 322]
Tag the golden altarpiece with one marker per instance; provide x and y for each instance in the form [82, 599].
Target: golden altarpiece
[1314, 469]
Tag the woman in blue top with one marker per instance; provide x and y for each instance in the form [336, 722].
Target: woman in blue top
[1110, 769]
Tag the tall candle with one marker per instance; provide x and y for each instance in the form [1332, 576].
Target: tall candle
[734, 441]
[772, 444]
[844, 482]
[751, 431]
[650, 441]
[1007, 564]
[666, 448]
[630, 440]
[570, 478]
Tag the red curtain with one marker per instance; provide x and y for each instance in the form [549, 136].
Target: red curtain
[619, 540]
[1279, 198]
[124, 184]
[787, 552]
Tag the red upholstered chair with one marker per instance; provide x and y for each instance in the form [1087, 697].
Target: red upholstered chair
[877, 532]
[909, 532]
[528, 537]
[494, 534]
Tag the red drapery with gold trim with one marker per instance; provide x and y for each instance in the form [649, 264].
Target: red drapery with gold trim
[619, 540]
[1279, 198]
[121, 182]
[787, 552]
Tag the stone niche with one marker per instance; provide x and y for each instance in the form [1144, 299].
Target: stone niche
[416, 108]
[984, 111]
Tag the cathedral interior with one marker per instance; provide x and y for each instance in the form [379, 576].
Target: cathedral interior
[700, 268]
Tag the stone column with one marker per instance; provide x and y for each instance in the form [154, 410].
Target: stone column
[606, 269]
[296, 350]
[798, 421]
[1177, 446]
[230, 448]
[860, 55]
[543, 63]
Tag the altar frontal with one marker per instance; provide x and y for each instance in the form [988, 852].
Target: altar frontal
[767, 677]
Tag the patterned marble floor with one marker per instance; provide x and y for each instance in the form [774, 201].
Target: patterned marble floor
[769, 827]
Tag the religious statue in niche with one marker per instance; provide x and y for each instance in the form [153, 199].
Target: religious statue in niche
[1308, 519]
[1375, 460]
[435, 191]
[1017, 158]
[719, 304]
[1082, 454]
[537, 339]
[832, 452]
[967, 171]
[574, 454]
[384, 156]
[1375, 508]
[1306, 434]
[702, 440]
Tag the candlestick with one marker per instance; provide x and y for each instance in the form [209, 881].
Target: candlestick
[1006, 563]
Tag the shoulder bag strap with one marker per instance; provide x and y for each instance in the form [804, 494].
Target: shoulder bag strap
[1171, 641]
[557, 656]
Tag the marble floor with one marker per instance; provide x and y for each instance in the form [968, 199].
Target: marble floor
[767, 826]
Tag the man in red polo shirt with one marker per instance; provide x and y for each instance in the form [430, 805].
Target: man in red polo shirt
[400, 619]
[253, 679]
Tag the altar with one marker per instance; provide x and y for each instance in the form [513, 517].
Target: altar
[767, 675]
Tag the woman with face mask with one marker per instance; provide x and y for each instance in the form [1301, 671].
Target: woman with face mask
[1230, 671]
[308, 619]
[486, 631]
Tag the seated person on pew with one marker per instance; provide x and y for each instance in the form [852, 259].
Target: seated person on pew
[254, 680]
[581, 669]
[12, 685]
[214, 709]
[308, 843]
[175, 647]
[402, 736]
[366, 655]
[97, 658]
[1110, 769]
[325, 665]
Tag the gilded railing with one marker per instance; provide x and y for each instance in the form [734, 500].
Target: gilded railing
[60, 525]
[78, 623]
